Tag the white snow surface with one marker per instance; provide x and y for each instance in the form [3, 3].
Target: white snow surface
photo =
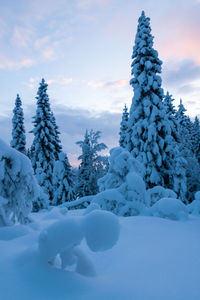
[154, 259]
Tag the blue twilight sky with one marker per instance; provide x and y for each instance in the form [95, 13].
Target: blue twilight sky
[83, 50]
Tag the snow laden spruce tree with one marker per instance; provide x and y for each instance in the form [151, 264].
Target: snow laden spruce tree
[43, 147]
[149, 132]
[92, 165]
[123, 128]
[18, 131]
[187, 151]
[57, 142]
[179, 163]
[18, 186]
[62, 180]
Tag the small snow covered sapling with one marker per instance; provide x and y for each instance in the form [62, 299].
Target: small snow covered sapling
[99, 228]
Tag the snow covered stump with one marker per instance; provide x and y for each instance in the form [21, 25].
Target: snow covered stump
[99, 228]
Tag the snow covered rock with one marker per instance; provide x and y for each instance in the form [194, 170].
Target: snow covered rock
[18, 186]
[99, 228]
[169, 208]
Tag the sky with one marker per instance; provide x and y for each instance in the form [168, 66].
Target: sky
[83, 50]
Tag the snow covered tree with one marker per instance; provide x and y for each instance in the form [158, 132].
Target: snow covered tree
[57, 142]
[18, 186]
[186, 149]
[89, 170]
[123, 128]
[18, 131]
[62, 180]
[43, 147]
[171, 114]
[196, 138]
[149, 132]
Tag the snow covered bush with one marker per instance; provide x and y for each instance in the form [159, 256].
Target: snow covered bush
[157, 193]
[18, 187]
[62, 180]
[99, 228]
[122, 188]
[121, 163]
[169, 208]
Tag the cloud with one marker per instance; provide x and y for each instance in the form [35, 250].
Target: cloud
[184, 71]
[6, 63]
[112, 84]
[60, 80]
[22, 36]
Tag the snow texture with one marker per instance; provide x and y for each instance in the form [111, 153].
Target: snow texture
[150, 261]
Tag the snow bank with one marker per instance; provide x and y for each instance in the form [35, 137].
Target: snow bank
[18, 186]
[99, 228]
[169, 208]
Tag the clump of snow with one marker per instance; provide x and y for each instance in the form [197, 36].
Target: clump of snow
[99, 228]
[169, 208]
[110, 200]
[122, 188]
[194, 207]
[121, 163]
[157, 193]
[18, 186]
[64, 234]
[91, 207]
[197, 196]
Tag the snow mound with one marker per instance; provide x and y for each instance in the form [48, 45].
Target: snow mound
[157, 193]
[59, 236]
[197, 195]
[194, 207]
[169, 208]
[12, 232]
[91, 207]
[101, 230]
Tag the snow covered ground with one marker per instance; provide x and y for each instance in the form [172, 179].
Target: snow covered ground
[154, 259]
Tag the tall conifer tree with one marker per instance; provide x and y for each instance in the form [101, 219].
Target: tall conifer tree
[149, 132]
[123, 128]
[43, 147]
[18, 131]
